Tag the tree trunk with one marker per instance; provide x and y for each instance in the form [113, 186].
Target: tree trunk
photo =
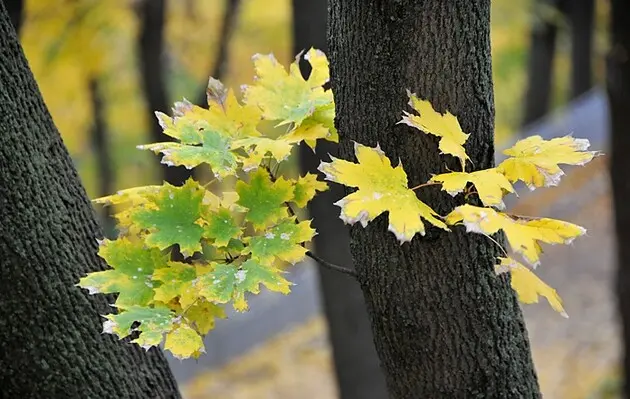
[581, 13]
[618, 84]
[51, 345]
[100, 143]
[540, 68]
[151, 48]
[356, 363]
[444, 325]
[15, 9]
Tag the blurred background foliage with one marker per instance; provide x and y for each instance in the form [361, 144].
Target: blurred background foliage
[69, 43]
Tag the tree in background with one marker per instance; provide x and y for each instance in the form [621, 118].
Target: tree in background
[51, 343]
[356, 363]
[618, 85]
[444, 325]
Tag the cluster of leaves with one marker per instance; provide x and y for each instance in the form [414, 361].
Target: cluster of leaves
[533, 161]
[232, 243]
[227, 245]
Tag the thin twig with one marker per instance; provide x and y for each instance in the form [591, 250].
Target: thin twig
[332, 266]
[423, 185]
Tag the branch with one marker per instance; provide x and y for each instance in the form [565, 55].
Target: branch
[332, 266]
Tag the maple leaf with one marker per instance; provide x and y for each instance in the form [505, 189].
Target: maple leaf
[264, 199]
[445, 126]
[320, 125]
[134, 195]
[221, 226]
[154, 323]
[490, 184]
[133, 264]
[381, 188]
[183, 342]
[305, 187]
[230, 282]
[279, 148]
[282, 242]
[176, 282]
[287, 97]
[174, 221]
[523, 234]
[528, 286]
[202, 315]
[535, 161]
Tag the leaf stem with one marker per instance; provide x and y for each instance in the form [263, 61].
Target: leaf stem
[499, 245]
[424, 185]
[332, 266]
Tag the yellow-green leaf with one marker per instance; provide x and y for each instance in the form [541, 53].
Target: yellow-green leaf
[490, 184]
[263, 198]
[183, 342]
[305, 187]
[282, 242]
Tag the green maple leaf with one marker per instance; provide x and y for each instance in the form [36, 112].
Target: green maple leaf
[154, 323]
[133, 264]
[282, 241]
[264, 199]
[230, 282]
[221, 227]
[201, 143]
[305, 188]
[202, 314]
[176, 281]
[175, 219]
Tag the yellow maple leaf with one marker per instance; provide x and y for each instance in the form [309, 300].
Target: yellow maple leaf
[535, 161]
[523, 234]
[490, 184]
[183, 341]
[528, 286]
[381, 188]
[445, 126]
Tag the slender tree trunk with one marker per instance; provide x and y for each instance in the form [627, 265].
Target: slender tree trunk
[100, 144]
[151, 51]
[618, 84]
[15, 8]
[51, 345]
[540, 67]
[221, 62]
[356, 363]
[445, 326]
[581, 13]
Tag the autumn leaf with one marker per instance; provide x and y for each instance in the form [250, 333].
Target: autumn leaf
[133, 264]
[174, 221]
[381, 188]
[220, 226]
[489, 183]
[231, 281]
[445, 126]
[535, 161]
[154, 323]
[203, 314]
[528, 286]
[305, 187]
[523, 234]
[176, 281]
[263, 198]
[259, 147]
[183, 342]
[282, 242]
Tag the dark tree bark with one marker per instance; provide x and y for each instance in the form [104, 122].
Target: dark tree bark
[444, 325]
[15, 9]
[581, 15]
[540, 67]
[151, 51]
[220, 68]
[51, 345]
[100, 144]
[618, 85]
[356, 363]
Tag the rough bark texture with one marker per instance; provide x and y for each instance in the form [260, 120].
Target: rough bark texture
[618, 82]
[444, 325]
[221, 63]
[581, 15]
[51, 344]
[151, 49]
[15, 9]
[540, 67]
[356, 363]
[100, 144]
